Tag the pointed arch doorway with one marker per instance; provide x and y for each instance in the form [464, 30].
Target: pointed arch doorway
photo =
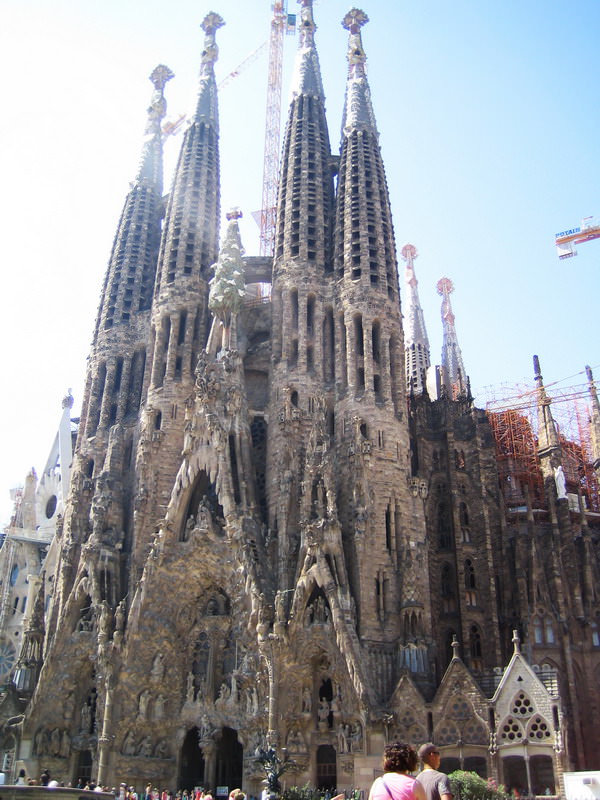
[326, 767]
[191, 765]
[230, 760]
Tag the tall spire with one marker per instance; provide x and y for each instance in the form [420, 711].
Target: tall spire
[594, 422]
[305, 202]
[307, 72]
[358, 109]
[130, 274]
[549, 449]
[416, 343]
[455, 378]
[190, 237]
[151, 161]
[364, 241]
[206, 105]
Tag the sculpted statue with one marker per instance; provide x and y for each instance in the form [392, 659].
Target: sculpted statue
[306, 699]
[143, 704]
[65, 745]
[145, 748]
[158, 669]
[561, 484]
[159, 707]
[128, 748]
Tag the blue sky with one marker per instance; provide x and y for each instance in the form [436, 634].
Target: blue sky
[489, 120]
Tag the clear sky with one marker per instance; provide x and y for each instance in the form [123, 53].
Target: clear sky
[489, 118]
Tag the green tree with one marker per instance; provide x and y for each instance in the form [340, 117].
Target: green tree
[471, 786]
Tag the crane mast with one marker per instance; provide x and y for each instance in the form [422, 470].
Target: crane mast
[272, 130]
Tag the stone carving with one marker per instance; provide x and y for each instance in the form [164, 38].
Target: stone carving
[158, 668]
[162, 749]
[143, 703]
[159, 707]
[128, 747]
[342, 738]
[306, 704]
[561, 484]
[145, 747]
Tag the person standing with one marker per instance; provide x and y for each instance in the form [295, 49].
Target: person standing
[399, 759]
[435, 783]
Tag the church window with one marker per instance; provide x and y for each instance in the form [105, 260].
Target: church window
[375, 336]
[595, 635]
[511, 731]
[447, 589]
[475, 648]
[294, 302]
[538, 632]
[538, 729]
[470, 584]
[14, 574]
[465, 530]
[549, 630]
[444, 526]
[388, 528]
[522, 705]
[310, 315]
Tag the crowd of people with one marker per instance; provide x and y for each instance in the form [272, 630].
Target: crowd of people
[397, 782]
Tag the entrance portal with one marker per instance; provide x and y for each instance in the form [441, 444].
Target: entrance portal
[230, 760]
[326, 767]
[191, 767]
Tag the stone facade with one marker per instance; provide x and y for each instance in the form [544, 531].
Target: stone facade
[271, 538]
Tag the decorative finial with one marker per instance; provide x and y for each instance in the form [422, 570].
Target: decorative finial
[516, 641]
[67, 401]
[409, 252]
[233, 213]
[160, 75]
[353, 22]
[307, 23]
[455, 647]
[536, 368]
[445, 287]
[210, 25]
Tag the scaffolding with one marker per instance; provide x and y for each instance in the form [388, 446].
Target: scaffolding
[513, 418]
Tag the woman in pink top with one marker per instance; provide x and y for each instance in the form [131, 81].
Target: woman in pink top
[396, 784]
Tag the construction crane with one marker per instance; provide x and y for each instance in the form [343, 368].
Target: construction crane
[588, 230]
[172, 127]
[281, 23]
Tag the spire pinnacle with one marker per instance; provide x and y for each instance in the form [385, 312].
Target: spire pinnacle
[594, 421]
[151, 160]
[353, 22]
[307, 24]
[358, 109]
[452, 363]
[516, 640]
[206, 107]
[416, 342]
[307, 72]
[548, 442]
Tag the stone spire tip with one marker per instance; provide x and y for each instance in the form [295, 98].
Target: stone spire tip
[354, 20]
[212, 22]
[516, 640]
[160, 75]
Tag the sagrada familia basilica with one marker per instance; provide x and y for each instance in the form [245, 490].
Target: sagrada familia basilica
[278, 531]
